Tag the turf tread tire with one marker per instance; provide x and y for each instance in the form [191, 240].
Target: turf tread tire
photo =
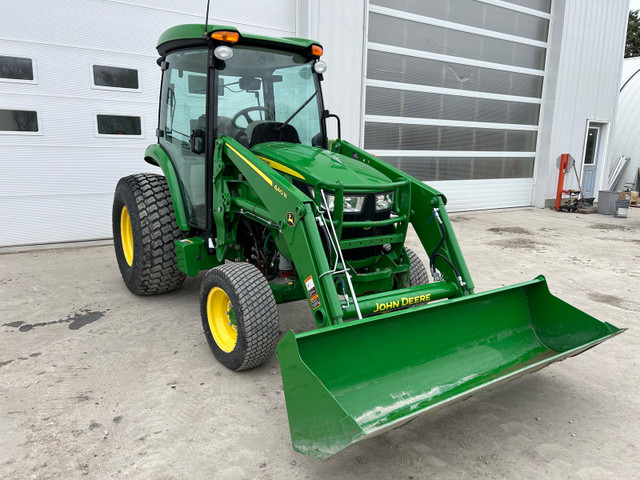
[417, 272]
[153, 223]
[255, 310]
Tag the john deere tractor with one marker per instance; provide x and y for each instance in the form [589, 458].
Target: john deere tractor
[254, 193]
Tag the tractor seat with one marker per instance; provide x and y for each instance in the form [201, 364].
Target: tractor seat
[267, 131]
[226, 127]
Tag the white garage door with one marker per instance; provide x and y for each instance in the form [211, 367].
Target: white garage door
[453, 94]
[79, 88]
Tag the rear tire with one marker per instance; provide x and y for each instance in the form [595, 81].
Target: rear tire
[239, 315]
[144, 232]
[417, 272]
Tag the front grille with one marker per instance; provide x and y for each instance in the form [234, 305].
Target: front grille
[368, 213]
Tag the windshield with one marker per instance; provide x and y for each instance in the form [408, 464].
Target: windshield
[268, 95]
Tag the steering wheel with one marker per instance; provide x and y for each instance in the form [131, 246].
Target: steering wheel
[245, 113]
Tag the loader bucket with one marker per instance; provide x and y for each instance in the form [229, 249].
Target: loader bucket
[350, 381]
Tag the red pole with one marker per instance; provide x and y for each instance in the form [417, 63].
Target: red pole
[564, 159]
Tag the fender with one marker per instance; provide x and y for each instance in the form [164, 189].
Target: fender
[157, 155]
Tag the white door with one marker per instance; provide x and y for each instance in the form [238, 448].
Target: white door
[590, 163]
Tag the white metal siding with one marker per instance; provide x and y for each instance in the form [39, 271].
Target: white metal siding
[339, 26]
[58, 186]
[626, 133]
[583, 74]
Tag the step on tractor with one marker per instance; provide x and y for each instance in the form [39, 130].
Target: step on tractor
[255, 194]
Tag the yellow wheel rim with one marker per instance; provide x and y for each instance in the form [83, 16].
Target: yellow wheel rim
[126, 235]
[221, 319]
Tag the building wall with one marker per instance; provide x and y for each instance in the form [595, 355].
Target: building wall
[57, 184]
[583, 72]
[340, 27]
[626, 133]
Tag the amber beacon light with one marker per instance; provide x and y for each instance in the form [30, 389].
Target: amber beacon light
[227, 36]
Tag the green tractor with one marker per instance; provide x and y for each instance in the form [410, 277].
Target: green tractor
[254, 193]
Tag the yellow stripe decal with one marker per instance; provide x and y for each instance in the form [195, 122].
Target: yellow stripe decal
[280, 167]
[256, 169]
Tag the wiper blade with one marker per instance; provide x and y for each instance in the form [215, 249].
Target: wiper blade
[286, 122]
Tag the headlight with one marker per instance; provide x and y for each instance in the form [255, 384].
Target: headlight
[384, 201]
[330, 202]
[351, 203]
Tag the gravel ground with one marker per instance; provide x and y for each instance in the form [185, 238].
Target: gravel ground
[97, 383]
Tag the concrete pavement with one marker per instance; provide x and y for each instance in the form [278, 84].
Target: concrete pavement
[97, 383]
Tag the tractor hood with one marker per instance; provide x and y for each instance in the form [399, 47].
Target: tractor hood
[313, 165]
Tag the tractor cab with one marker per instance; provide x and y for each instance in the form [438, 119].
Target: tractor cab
[259, 92]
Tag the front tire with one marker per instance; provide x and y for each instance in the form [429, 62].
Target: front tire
[239, 315]
[144, 232]
[417, 272]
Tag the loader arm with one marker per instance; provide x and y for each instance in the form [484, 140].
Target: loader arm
[281, 206]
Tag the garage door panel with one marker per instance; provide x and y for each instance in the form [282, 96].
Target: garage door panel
[485, 194]
[432, 169]
[65, 171]
[438, 73]
[50, 219]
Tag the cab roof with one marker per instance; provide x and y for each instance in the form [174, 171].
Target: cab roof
[193, 35]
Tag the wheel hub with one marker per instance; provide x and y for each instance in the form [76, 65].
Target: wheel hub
[222, 319]
[126, 235]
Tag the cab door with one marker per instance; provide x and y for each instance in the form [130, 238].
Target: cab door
[182, 110]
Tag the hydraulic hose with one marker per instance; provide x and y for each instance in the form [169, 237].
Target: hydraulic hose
[435, 253]
[443, 235]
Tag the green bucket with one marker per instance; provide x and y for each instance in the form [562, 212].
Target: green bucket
[351, 381]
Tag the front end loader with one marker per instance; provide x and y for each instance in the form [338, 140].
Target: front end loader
[255, 194]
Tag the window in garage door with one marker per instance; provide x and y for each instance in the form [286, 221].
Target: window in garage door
[19, 121]
[114, 78]
[17, 69]
[119, 125]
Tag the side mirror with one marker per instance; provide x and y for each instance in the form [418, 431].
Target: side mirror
[326, 114]
[196, 141]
